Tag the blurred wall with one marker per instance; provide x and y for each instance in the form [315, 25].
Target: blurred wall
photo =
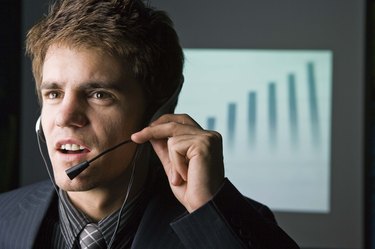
[32, 167]
[10, 85]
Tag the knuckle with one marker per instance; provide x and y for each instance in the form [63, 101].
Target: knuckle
[171, 142]
[184, 115]
[214, 136]
[173, 126]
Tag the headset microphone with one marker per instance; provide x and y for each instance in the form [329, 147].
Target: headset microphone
[77, 169]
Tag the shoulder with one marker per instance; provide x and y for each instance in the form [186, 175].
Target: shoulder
[24, 208]
[26, 190]
[24, 197]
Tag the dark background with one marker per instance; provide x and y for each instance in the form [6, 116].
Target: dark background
[20, 158]
[10, 97]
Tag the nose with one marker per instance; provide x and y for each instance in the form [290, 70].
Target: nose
[71, 112]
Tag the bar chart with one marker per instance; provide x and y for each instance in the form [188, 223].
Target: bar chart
[273, 109]
[272, 112]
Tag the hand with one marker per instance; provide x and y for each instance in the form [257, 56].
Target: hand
[192, 157]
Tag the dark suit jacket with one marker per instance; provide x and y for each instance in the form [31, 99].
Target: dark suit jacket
[228, 221]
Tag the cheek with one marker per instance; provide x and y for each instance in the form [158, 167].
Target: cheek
[46, 126]
[114, 132]
[121, 127]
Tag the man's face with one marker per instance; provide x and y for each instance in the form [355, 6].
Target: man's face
[90, 103]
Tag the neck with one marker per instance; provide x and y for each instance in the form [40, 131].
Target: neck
[100, 202]
[97, 204]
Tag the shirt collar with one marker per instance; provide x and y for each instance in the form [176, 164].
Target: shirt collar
[72, 220]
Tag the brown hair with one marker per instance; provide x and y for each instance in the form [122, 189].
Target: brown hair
[130, 29]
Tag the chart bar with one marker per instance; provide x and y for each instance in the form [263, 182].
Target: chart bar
[293, 115]
[211, 123]
[314, 113]
[272, 112]
[231, 121]
[252, 101]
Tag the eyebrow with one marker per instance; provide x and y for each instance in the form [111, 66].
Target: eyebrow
[101, 85]
[49, 85]
[86, 86]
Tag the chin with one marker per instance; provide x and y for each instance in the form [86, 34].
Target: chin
[77, 184]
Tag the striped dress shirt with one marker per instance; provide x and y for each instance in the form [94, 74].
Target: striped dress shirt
[62, 226]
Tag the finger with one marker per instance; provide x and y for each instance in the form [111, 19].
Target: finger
[164, 155]
[177, 118]
[177, 154]
[164, 131]
[140, 137]
[161, 150]
[175, 178]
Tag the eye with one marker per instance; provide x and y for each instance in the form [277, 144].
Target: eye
[52, 95]
[100, 95]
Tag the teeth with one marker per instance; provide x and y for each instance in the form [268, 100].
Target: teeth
[72, 147]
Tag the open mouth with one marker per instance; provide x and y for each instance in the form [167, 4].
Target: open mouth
[72, 149]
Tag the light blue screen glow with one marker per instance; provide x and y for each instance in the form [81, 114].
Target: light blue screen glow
[273, 109]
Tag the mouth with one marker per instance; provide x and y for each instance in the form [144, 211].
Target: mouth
[72, 149]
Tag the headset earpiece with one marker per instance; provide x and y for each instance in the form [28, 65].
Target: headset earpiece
[39, 130]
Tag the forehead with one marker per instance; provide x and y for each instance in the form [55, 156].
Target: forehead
[67, 64]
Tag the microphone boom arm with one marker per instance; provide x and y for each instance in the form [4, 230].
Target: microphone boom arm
[77, 169]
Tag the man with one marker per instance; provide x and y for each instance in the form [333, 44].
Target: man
[106, 72]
